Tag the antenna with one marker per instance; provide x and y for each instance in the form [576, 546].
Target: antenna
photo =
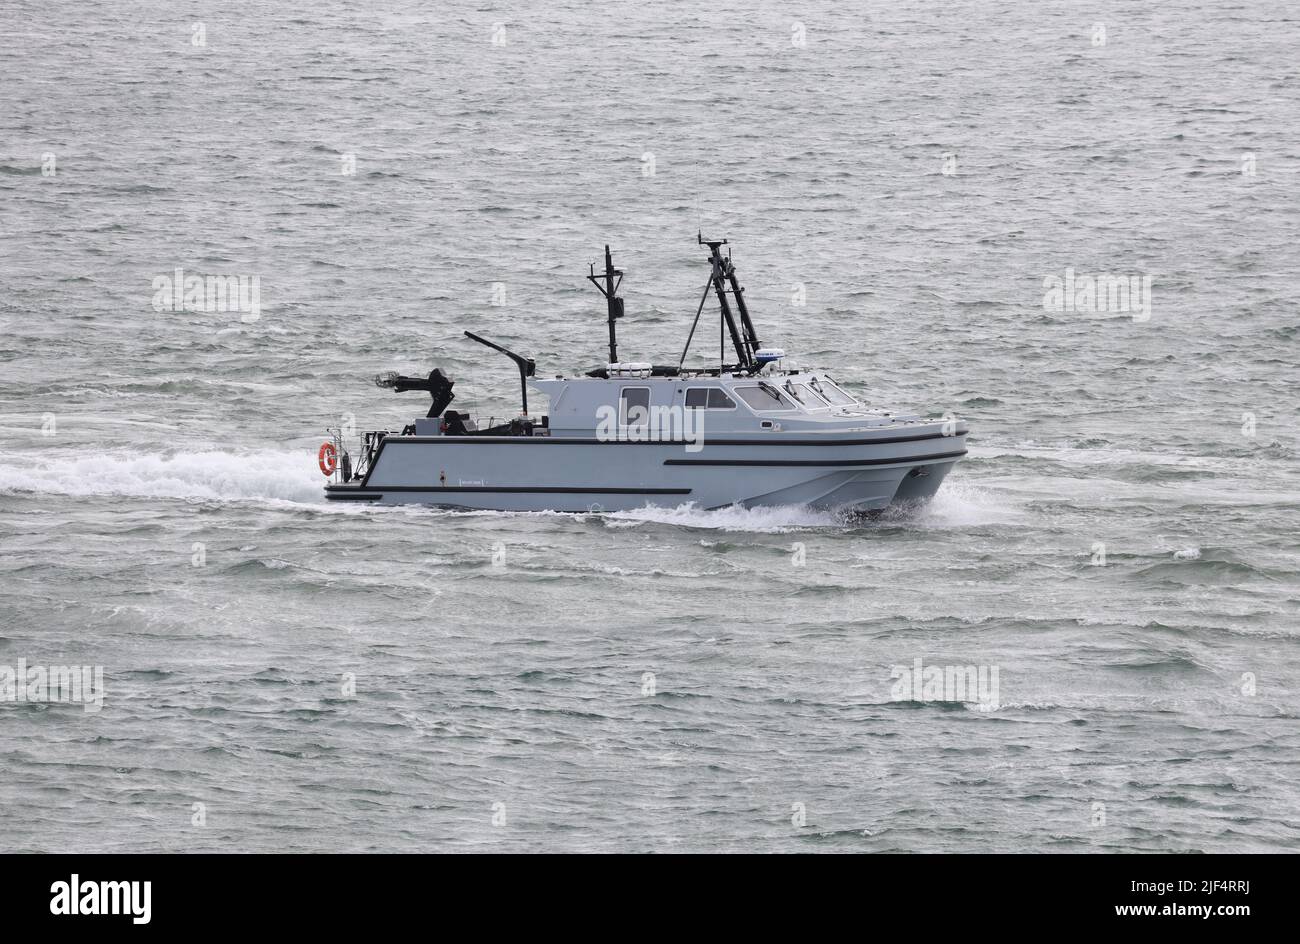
[610, 291]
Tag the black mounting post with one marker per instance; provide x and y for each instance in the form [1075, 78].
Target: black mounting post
[751, 336]
[527, 366]
[610, 291]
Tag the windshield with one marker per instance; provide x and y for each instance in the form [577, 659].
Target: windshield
[764, 399]
[805, 395]
[833, 394]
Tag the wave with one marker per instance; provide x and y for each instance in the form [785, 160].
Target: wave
[214, 475]
[1088, 456]
[1196, 566]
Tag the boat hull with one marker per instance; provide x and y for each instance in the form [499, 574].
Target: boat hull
[842, 473]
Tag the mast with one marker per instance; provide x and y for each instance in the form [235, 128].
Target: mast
[610, 291]
[718, 278]
[723, 280]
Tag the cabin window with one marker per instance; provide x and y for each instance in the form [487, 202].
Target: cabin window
[765, 399]
[708, 398]
[634, 406]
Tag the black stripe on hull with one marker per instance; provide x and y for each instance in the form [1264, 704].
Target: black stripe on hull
[339, 492]
[707, 440]
[821, 463]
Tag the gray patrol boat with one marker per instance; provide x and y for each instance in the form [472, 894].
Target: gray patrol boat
[625, 435]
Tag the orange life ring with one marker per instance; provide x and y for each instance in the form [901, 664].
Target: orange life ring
[328, 458]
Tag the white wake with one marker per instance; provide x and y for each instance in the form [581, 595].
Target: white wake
[215, 475]
[955, 506]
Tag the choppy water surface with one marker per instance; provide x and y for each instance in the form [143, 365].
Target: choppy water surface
[1120, 544]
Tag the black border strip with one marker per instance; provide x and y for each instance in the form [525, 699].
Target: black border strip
[708, 440]
[900, 460]
[331, 491]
